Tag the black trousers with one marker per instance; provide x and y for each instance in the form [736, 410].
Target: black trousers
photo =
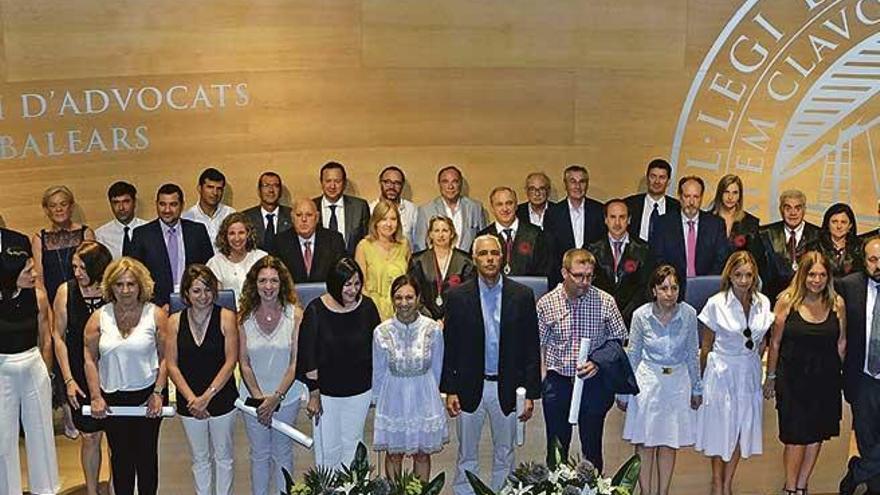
[134, 443]
[866, 423]
[556, 401]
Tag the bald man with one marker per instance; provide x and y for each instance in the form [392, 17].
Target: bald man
[309, 250]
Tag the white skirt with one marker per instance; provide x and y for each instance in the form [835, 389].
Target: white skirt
[661, 414]
[732, 408]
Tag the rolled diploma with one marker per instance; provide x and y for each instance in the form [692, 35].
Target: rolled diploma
[520, 408]
[279, 426]
[575, 409]
[138, 411]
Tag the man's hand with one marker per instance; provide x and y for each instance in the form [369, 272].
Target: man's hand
[453, 407]
[587, 370]
[527, 411]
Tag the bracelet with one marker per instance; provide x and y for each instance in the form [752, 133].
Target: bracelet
[212, 390]
[68, 380]
[771, 376]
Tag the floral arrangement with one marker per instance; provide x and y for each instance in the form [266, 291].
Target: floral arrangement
[357, 479]
[572, 477]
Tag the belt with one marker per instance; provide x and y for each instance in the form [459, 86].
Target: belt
[666, 370]
[490, 378]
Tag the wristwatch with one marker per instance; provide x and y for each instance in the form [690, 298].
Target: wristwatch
[281, 395]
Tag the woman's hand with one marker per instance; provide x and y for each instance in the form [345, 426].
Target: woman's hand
[313, 408]
[266, 409]
[99, 408]
[696, 401]
[198, 407]
[621, 404]
[73, 392]
[769, 388]
[154, 405]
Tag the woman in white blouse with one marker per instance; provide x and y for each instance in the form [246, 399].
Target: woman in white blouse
[237, 252]
[663, 351]
[733, 324]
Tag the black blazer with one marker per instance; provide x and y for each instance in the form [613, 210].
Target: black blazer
[328, 248]
[522, 212]
[422, 266]
[634, 274]
[668, 244]
[519, 362]
[529, 255]
[15, 241]
[775, 265]
[148, 246]
[557, 224]
[357, 219]
[635, 204]
[283, 222]
[854, 290]
[866, 236]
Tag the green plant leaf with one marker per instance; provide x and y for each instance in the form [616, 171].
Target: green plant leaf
[435, 486]
[479, 487]
[628, 474]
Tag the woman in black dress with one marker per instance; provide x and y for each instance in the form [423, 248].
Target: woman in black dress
[441, 266]
[838, 240]
[742, 226]
[807, 346]
[74, 304]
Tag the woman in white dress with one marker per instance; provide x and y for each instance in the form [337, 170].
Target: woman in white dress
[663, 350]
[407, 361]
[237, 252]
[733, 324]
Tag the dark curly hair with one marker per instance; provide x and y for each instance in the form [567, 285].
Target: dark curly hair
[250, 298]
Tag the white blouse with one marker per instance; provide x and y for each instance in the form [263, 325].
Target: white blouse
[128, 363]
[724, 315]
[231, 275]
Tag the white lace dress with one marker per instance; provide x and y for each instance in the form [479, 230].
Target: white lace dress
[407, 360]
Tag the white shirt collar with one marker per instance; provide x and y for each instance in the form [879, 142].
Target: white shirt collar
[267, 212]
[624, 239]
[798, 231]
[685, 219]
[514, 226]
[573, 208]
[326, 202]
[303, 240]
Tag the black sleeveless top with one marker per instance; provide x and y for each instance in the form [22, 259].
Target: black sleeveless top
[200, 364]
[58, 247]
[19, 322]
[79, 309]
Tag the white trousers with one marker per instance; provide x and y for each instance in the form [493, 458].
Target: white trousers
[212, 449]
[25, 394]
[470, 428]
[340, 428]
[270, 450]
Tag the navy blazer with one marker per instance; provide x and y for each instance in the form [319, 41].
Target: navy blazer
[12, 240]
[283, 222]
[357, 219]
[853, 288]
[635, 205]
[148, 246]
[668, 244]
[519, 360]
[560, 233]
[327, 250]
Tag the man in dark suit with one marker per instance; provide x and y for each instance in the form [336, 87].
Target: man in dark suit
[783, 242]
[538, 195]
[861, 369]
[623, 261]
[492, 348]
[168, 244]
[523, 250]
[574, 222]
[694, 241]
[309, 251]
[11, 240]
[348, 215]
[645, 208]
[269, 217]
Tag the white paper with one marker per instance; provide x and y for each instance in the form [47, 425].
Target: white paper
[575, 409]
[520, 408]
[134, 411]
[279, 426]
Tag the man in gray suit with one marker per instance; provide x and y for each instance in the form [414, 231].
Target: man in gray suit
[269, 217]
[467, 214]
[348, 215]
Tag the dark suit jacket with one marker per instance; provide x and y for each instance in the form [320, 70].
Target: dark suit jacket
[519, 361]
[12, 240]
[668, 244]
[865, 236]
[630, 290]
[522, 212]
[560, 234]
[422, 266]
[635, 204]
[148, 246]
[357, 219]
[283, 222]
[529, 255]
[775, 265]
[327, 249]
[854, 290]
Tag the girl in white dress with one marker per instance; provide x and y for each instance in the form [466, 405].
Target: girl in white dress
[407, 361]
[733, 324]
[663, 351]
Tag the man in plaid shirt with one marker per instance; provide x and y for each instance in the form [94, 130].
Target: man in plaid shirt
[574, 310]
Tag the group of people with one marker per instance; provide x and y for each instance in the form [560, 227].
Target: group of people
[423, 317]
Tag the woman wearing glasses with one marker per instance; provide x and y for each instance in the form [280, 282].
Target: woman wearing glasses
[803, 367]
[733, 324]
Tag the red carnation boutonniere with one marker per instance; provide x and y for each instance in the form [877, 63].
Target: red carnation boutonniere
[847, 267]
[739, 241]
[525, 248]
[454, 280]
[630, 266]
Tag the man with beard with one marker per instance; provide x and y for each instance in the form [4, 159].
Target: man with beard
[391, 183]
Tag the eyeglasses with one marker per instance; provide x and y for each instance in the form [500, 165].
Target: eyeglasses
[580, 277]
[747, 333]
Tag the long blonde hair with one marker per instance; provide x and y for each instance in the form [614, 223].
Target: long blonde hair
[797, 289]
[736, 260]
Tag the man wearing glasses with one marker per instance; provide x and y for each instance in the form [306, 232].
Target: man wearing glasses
[576, 309]
[538, 194]
[391, 182]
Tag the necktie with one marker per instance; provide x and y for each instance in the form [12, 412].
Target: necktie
[691, 249]
[655, 213]
[508, 245]
[126, 240]
[173, 256]
[334, 222]
[617, 251]
[307, 257]
[874, 343]
[792, 245]
[269, 235]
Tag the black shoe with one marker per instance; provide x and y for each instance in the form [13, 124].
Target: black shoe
[847, 484]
